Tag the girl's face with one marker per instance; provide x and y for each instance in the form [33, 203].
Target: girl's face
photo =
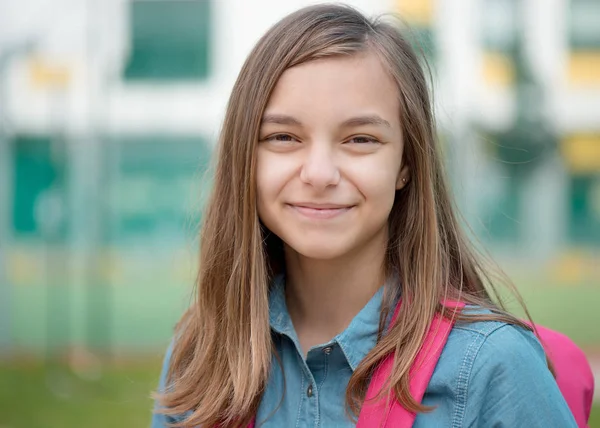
[330, 156]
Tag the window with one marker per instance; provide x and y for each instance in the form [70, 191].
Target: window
[169, 40]
[584, 222]
[154, 186]
[39, 199]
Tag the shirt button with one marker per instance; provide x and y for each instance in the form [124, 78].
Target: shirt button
[327, 350]
[309, 391]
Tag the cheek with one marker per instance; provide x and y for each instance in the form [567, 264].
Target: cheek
[272, 174]
[380, 195]
[377, 180]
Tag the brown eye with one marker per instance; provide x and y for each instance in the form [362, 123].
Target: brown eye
[363, 140]
[282, 138]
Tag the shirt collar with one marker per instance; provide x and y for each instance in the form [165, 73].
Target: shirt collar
[356, 341]
[279, 317]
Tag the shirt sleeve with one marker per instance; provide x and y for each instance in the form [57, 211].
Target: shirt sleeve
[510, 384]
[160, 420]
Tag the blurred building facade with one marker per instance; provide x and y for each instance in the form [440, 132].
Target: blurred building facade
[109, 110]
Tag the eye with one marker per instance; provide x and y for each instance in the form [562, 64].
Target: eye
[280, 138]
[361, 139]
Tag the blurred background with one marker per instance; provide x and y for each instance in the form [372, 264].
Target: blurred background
[109, 110]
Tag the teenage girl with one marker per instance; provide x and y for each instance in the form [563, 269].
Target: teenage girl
[330, 244]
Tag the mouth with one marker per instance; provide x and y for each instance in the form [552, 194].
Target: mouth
[320, 211]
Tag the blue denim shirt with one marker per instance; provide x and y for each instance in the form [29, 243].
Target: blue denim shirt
[490, 374]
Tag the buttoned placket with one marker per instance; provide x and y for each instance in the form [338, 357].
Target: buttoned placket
[311, 378]
[316, 368]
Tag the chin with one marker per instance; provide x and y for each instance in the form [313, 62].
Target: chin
[319, 249]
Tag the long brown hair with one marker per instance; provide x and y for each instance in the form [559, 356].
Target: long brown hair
[223, 349]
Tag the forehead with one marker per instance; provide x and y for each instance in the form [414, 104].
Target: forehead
[337, 86]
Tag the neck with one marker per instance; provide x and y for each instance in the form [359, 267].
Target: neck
[323, 296]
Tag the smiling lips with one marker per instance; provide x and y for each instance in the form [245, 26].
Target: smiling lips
[320, 211]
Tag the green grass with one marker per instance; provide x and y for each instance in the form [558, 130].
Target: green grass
[570, 309]
[595, 417]
[34, 396]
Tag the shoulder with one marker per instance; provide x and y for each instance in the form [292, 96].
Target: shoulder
[495, 347]
[498, 339]
[490, 350]
[491, 341]
[497, 374]
[487, 346]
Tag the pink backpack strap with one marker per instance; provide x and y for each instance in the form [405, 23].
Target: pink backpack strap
[388, 412]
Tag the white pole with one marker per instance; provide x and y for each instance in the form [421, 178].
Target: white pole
[6, 196]
[5, 210]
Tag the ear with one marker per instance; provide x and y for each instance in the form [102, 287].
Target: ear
[403, 177]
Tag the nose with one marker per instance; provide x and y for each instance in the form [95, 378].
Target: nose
[319, 169]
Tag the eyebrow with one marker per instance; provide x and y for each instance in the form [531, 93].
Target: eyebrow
[366, 120]
[282, 119]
